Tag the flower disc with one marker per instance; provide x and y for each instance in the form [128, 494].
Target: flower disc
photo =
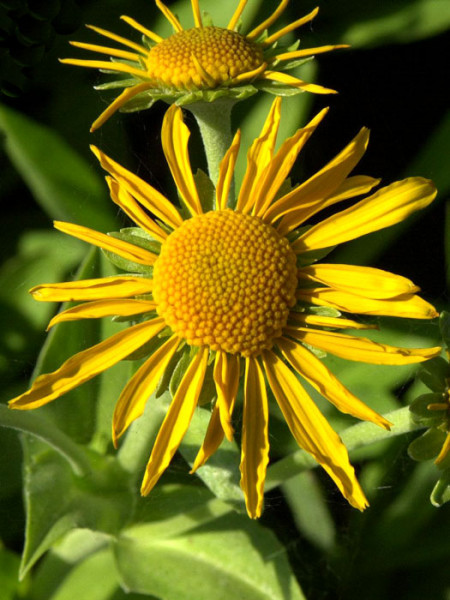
[226, 280]
[221, 53]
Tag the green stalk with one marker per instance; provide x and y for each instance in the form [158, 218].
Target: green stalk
[214, 121]
[357, 436]
[47, 432]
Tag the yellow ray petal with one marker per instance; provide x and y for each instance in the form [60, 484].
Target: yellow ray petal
[120, 101]
[147, 32]
[103, 308]
[106, 50]
[311, 195]
[196, 13]
[286, 79]
[317, 374]
[144, 193]
[311, 430]
[361, 281]
[226, 172]
[226, 379]
[104, 64]
[87, 364]
[332, 322]
[175, 138]
[118, 38]
[92, 289]
[351, 187]
[176, 421]
[248, 75]
[140, 387]
[388, 206]
[169, 16]
[308, 52]
[237, 14]
[444, 450]
[281, 165]
[130, 207]
[213, 438]
[255, 438]
[124, 249]
[361, 349]
[407, 306]
[269, 21]
[294, 25]
[259, 156]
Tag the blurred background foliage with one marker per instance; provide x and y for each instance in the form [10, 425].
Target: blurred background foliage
[393, 80]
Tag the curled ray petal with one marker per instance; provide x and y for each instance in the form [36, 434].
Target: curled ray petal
[269, 21]
[120, 247]
[117, 38]
[176, 421]
[87, 364]
[120, 101]
[294, 25]
[196, 13]
[205, 76]
[105, 50]
[331, 322]
[259, 156]
[360, 349]
[169, 16]
[122, 286]
[281, 164]
[248, 75]
[226, 379]
[147, 32]
[317, 374]
[351, 187]
[237, 14]
[144, 193]
[361, 281]
[140, 387]
[311, 430]
[130, 207]
[213, 438]
[444, 450]
[103, 308]
[255, 438]
[286, 79]
[388, 206]
[407, 306]
[175, 137]
[312, 193]
[226, 172]
[104, 64]
[308, 52]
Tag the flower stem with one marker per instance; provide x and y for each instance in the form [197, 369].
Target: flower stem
[357, 436]
[214, 121]
[47, 432]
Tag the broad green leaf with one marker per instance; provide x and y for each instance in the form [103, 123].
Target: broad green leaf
[62, 183]
[441, 492]
[426, 446]
[57, 501]
[230, 557]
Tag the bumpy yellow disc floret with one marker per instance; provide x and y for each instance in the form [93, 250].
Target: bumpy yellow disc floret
[226, 280]
[202, 57]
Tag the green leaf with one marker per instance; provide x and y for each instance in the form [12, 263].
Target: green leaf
[10, 586]
[62, 183]
[427, 446]
[230, 557]
[441, 492]
[433, 374]
[421, 414]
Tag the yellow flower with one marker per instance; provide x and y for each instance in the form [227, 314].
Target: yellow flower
[202, 63]
[237, 293]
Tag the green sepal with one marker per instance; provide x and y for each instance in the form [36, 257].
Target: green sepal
[116, 84]
[206, 190]
[441, 491]
[150, 347]
[179, 370]
[316, 351]
[422, 415]
[278, 89]
[292, 64]
[434, 373]
[325, 311]
[138, 237]
[444, 326]
[308, 258]
[427, 446]
[163, 385]
[275, 49]
[208, 392]
[139, 102]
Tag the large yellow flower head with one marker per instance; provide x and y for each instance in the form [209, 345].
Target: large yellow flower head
[236, 295]
[202, 63]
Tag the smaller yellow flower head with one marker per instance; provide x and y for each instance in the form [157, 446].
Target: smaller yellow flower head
[226, 280]
[222, 54]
